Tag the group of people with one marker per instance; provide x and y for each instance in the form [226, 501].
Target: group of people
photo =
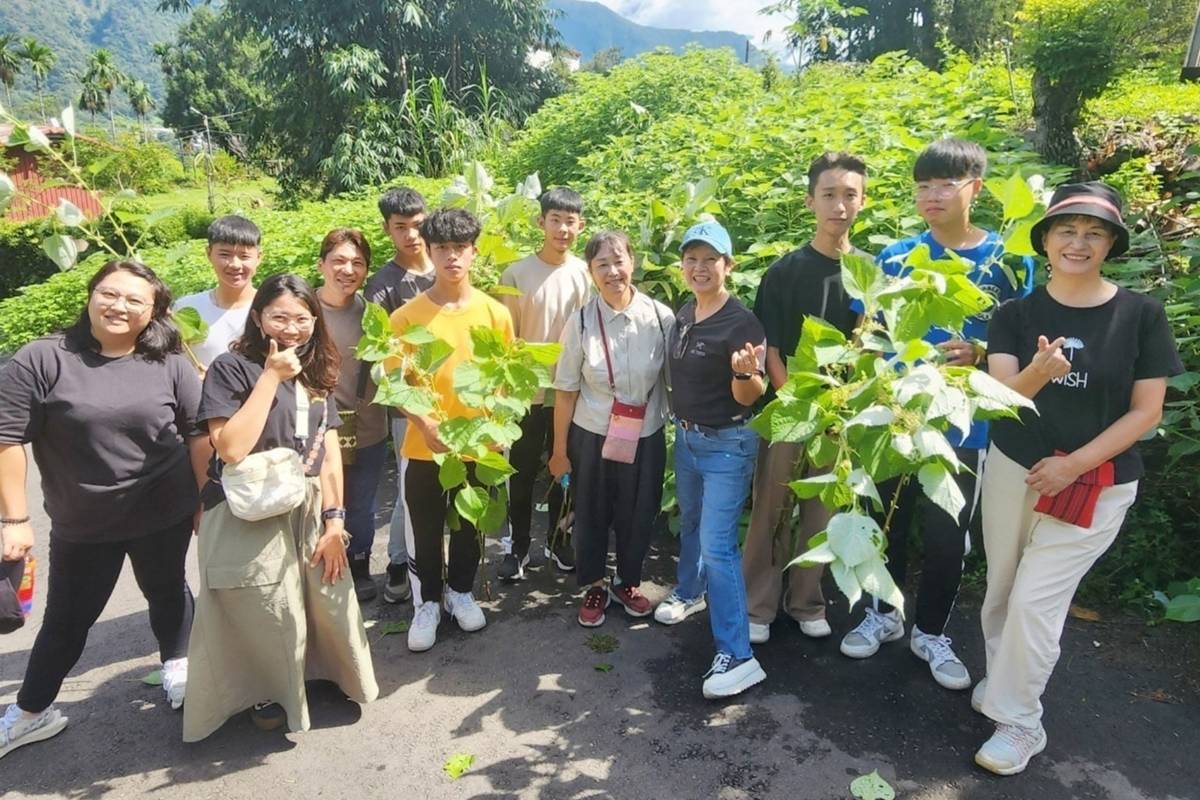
[136, 473]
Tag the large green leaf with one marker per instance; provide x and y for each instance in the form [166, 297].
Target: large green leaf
[1014, 195]
[1184, 608]
[853, 537]
[61, 250]
[939, 485]
[192, 326]
[861, 277]
[452, 472]
[471, 503]
[493, 469]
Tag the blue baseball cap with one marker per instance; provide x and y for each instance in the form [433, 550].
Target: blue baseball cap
[712, 234]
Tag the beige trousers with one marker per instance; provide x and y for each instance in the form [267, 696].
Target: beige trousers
[765, 554]
[1034, 564]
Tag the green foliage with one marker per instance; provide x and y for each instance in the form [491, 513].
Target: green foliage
[630, 99]
[1181, 601]
[872, 787]
[22, 261]
[458, 765]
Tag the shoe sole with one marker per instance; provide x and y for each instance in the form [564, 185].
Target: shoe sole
[631, 612]
[366, 597]
[1015, 769]
[977, 704]
[899, 634]
[754, 678]
[955, 686]
[825, 634]
[695, 609]
[550, 556]
[761, 639]
[268, 723]
[396, 598]
[519, 576]
[40, 735]
[420, 649]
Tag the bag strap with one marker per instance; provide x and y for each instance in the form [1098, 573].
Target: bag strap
[302, 407]
[612, 384]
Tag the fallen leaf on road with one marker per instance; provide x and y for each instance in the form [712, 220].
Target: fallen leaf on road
[401, 626]
[458, 764]
[1157, 696]
[1087, 614]
[872, 787]
[603, 667]
[153, 678]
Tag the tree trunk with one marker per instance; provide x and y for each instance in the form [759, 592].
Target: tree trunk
[112, 121]
[1056, 112]
[41, 100]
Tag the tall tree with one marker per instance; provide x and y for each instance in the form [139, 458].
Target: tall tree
[102, 71]
[41, 60]
[91, 97]
[10, 64]
[140, 100]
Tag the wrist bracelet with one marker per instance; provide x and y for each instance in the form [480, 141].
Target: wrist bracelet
[333, 513]
[14, 520]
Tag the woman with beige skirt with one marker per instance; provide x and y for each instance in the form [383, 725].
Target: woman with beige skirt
[276, 605]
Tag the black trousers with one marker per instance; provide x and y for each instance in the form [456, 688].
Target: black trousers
[82, 578]
[945, 540]
[624, 497]
[537, 439]
[427, 504]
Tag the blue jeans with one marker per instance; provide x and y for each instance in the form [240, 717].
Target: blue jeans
[397, 547]
[360, 481]
[713, 471]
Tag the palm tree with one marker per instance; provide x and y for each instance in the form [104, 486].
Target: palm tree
[10, 64]
[140, 100]
[41, 60]
[91, 97]
[103, 72]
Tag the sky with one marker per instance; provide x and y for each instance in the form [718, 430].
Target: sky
[740, 16]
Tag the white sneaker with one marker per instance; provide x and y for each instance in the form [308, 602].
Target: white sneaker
[16, 729]
[174, 681]
[464, 609]
[1010, 748]
[728, 677]
[759, 633]
[815, 628]
[422, 633]
[874, 630]
[947, 669]
[676, 609]
[977, 696]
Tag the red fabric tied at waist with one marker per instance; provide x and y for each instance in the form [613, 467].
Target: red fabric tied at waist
[1077, 503]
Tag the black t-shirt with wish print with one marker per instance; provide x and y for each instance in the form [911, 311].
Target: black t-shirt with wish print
[700, 356]
[1110, 346]
[228, 384]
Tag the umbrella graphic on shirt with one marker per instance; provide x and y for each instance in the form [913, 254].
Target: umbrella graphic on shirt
[1072, 344]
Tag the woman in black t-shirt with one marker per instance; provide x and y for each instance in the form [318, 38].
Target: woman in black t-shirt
[716, 361]
[109, 409]
[1095, 359]
[276, 605]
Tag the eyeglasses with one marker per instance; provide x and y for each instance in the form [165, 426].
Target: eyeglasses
[110, 297]
[681, 343]
[302, 322]
[941, 191]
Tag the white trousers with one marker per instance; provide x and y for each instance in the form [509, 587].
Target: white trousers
[1034, 564]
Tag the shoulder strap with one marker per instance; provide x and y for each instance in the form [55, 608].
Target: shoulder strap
[612, 384]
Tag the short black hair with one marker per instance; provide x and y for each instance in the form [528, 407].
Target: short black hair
[235, 230]
[834, 160]
[454, 225]
[950, 158]
[401, 201]
[560, 198]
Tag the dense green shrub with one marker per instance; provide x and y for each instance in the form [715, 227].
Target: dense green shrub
[22, 261]
[150, 168]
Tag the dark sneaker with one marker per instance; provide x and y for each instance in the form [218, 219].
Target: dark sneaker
[591, 613]
[562, 554]
[636, 604]
[512, 568]
[268, 716]
[397, 589]
[730, 676]
[360, 570]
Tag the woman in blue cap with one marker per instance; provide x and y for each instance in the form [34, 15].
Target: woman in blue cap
[1095, 358]
[716, 360]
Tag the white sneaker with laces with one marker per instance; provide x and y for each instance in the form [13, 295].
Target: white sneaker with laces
[17, 730]
[729, 676]
[1010, 748]
[422, 633]
[977, 695]
[759, 633]
[945, 666]
[875, 629]
[676, 609]
[464, 609]
[815, 628]
[174, 681]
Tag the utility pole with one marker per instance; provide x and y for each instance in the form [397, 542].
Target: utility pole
[1191, 64]
[208, 166]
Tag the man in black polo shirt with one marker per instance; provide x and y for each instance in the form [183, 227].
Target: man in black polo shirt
[804, 282]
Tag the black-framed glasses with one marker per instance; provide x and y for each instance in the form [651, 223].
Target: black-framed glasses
[681, 342]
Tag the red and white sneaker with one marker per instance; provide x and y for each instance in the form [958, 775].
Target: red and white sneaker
[591, 613]
[636, 604]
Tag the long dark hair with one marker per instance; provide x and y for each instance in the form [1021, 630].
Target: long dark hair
[319, 358]
[160, 337]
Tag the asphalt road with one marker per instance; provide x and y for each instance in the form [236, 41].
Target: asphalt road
[524, 697]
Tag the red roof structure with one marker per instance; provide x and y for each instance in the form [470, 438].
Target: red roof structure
[38, 196]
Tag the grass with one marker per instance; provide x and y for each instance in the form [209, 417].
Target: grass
[242, 195]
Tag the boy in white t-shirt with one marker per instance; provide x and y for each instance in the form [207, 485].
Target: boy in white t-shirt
[553, 283]
[234, 252]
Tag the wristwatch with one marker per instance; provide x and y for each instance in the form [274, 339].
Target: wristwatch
[745, 376]
[333, 513]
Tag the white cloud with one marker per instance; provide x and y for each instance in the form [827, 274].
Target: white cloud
[740, 16]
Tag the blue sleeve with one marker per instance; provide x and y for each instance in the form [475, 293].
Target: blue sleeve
[1027, 285]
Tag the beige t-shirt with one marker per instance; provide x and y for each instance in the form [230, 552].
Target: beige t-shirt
[549, 296]
[637, 343]
[345, 325]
